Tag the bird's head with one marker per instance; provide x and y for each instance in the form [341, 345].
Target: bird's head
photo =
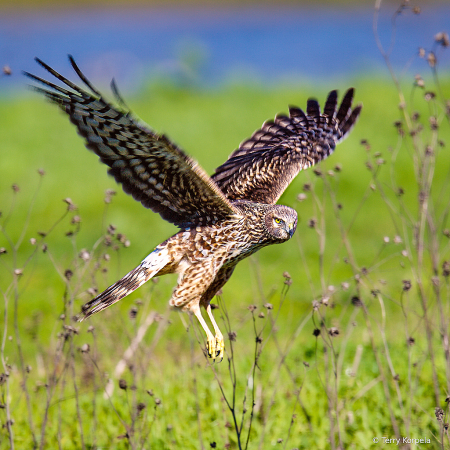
[281, 222]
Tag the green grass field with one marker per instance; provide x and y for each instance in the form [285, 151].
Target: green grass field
[380, 364]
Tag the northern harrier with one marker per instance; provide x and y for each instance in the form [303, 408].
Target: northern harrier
[223, 218]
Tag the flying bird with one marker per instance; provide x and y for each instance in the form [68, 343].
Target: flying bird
[223, 218]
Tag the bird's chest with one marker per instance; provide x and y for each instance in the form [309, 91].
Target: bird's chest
[228, 242]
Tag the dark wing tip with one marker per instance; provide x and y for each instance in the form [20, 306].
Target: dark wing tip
[351, 120]
[346, 105]
[297, 113]
[330, 104]
[82, 76]
[313, 108]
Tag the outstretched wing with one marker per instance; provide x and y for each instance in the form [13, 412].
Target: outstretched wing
[149, 166]
[264, 165]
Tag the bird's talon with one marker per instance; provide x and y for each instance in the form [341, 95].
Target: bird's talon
[215, 348]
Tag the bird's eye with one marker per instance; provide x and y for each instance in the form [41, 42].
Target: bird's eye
[277, 220]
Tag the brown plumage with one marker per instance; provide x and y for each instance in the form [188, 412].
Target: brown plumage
[223, 218]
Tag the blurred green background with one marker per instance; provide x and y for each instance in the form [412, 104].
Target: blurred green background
[208, 115]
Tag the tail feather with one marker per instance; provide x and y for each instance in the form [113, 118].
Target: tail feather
[148, 268]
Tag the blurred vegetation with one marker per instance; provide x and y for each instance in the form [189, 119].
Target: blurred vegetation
[367, 372]
[42, 4]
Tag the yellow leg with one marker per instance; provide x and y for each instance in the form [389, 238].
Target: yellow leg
[213, 347]
[220, 345]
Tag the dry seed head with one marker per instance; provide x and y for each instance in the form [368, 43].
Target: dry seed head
[333, 331]
[84, 255]
[442, 39]
[433, 123]
[365, 144]
[33, 241]
[429, 96]
[431, 59]
[133, 312]
[140, 407]
[92, 291]
[85, 348]
[111, 229]
[446, 268]
[108, 195]
[123, 384]
[70, 205]
[419, 81]
[439, 412]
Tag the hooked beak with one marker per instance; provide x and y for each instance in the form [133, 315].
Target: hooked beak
[291, 229]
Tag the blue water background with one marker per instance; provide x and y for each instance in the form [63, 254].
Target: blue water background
[209, 47]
